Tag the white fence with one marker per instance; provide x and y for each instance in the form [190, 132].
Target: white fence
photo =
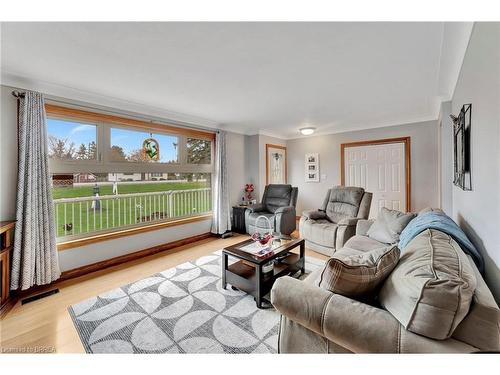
[86, 215]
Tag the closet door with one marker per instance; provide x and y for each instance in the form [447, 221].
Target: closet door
[381, 170]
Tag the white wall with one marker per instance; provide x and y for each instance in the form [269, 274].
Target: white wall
[236, 151]
[96, 252]
[478, 211]
[252, 163]
[446, 158]
[8, 154]
[424, 162]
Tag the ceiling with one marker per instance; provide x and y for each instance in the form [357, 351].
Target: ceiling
[272, 78]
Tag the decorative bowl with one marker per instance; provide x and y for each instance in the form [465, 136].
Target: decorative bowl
[263, 239]
[263, 234]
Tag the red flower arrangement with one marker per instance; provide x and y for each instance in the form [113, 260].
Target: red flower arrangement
[249, 188]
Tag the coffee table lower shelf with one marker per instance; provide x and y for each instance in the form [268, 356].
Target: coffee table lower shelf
[249, 277]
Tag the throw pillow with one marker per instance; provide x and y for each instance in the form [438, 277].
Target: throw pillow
[354, 273]
[389, 225]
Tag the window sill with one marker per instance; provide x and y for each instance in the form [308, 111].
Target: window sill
[128, 232]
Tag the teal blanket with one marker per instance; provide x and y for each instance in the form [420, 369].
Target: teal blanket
[443, 223]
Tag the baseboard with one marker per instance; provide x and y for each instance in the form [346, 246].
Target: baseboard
[84, 270]
[7, 306]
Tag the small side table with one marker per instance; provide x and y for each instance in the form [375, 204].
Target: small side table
[6, 244]
[239, 219]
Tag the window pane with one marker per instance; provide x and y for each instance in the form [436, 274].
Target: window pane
[128, 145]
[86, 203]
[71, 140]
[199, 151]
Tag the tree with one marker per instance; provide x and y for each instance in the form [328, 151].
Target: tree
[117, 153]
[56, 147]
[82, 152]
[61, 148]
[136, 155]
[92, 151]
[198, 151]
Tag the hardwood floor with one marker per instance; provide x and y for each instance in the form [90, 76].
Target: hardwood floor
[45, 325]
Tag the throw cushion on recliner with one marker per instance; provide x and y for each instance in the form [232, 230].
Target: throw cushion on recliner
[389, 225]
[277, 196]
[431, 289]
[355, 273]
[343, 202]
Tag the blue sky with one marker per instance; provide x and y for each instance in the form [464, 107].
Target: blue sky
[73, 131]
[129, 140]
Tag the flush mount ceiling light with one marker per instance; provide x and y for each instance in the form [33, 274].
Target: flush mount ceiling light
[307, 131]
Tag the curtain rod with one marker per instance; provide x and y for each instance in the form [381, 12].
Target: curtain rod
[18, 94]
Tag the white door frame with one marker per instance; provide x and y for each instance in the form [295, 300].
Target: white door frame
[404, 140]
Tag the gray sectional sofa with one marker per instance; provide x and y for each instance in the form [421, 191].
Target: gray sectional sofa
[420, 308]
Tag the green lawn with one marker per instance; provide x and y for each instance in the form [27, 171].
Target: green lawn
[122, 211]
[127, 188]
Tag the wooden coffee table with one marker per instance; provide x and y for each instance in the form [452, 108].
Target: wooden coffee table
[246, 274]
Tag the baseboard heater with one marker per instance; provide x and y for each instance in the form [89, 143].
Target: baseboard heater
[39, 296]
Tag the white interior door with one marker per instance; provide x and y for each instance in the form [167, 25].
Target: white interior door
[381, 170]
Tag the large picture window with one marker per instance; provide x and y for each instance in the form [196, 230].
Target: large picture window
[111, 174]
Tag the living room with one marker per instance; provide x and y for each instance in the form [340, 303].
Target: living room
[250, 187]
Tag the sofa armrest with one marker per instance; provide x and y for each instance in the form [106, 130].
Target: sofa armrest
[362, 227]
[344, 232]
[285, 220]
[285, 209]
[259, 207]
[356, 326]
[348, 221]
[314, 214]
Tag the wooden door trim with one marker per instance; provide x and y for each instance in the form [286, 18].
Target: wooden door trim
[407, 146]
[268, 145]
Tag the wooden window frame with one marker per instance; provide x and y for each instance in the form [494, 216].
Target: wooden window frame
[407, 146]
[102, 164]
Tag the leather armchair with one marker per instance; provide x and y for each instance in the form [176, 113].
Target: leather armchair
[329, 227]
[278, 205]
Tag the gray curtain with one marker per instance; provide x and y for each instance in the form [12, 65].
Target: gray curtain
[221, 221]
[34, 258]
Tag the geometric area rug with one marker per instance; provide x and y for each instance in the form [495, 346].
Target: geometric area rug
[180, 310]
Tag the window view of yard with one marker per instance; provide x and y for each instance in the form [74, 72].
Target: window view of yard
[104, 205]
[90, 202]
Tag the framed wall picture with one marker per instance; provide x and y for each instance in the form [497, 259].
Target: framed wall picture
[312, 167]
[276, 172]
[461, 148]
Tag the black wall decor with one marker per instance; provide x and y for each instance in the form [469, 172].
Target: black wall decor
[461, 148]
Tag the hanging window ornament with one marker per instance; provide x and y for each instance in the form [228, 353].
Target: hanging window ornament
[151, 149]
